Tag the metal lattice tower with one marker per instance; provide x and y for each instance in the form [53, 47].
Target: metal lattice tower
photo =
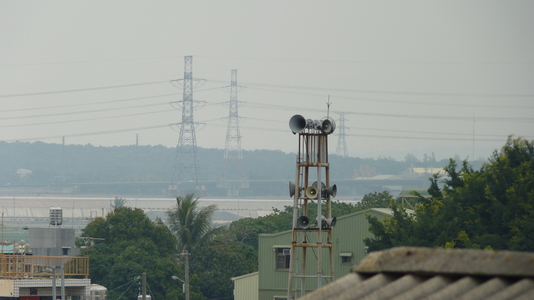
[341, 149]
[312, 158]
[186, 164]
[233, 177]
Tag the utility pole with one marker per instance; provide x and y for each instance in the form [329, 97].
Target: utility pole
[143, 286]
[233, 177]
[54, 292]
[186, 283]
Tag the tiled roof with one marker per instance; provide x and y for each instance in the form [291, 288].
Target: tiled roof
[425, 273]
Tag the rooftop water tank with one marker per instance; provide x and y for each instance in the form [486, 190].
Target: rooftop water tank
[56, 216]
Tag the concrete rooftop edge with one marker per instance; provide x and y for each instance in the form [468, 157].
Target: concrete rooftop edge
[417, 260]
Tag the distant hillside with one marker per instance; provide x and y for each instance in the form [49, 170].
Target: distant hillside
[38, 163]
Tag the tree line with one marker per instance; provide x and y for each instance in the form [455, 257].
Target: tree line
[489, 208]
[56, 164]
[130, 244]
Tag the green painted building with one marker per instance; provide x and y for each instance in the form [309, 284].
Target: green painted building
[348, 250]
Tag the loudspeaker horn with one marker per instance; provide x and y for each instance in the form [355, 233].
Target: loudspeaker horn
[331, 222]
[303, 222]
[330, 191]
[311, 192]
[323, 186]
[328, 125]
[319, 221]
[298, 123]
[291, 189]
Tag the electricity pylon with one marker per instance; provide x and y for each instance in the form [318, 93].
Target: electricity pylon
[341, 149]
[186, 164]
[233, 177]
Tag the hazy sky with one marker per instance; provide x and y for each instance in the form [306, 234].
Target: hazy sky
[412, 76]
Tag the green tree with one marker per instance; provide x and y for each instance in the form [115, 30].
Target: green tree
[118, 202]
[132, 244]
[489, 208]
[192, 225]
[246, 230]
[215, 265]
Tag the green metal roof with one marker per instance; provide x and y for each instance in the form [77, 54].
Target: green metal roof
[406, 193]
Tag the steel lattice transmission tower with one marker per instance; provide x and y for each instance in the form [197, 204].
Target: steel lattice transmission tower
[186, 164]
[233, 177]
[341, 149]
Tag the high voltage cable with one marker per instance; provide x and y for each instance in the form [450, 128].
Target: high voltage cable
[425, 138]
[83, 120]
[91, 103]
[87, 133]
[432, 117]
[84, 111]
[253, 128]
[395, 130]
[249, 84]
[394, 101]
[83, 90]
[106, 102]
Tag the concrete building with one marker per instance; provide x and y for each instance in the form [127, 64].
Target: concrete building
[53, 241]
[246, 287]
[47, 268]
[273, 257]
[31, 277]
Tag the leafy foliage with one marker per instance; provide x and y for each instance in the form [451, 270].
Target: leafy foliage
[192, 225]
[132, 244]
[58, 164]
[491, 208]
[215, 265]
[246, 230]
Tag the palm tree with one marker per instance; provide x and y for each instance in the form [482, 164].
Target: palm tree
[190, 225]
[118, 202]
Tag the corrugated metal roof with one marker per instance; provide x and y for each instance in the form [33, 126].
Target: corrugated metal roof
[425, 273]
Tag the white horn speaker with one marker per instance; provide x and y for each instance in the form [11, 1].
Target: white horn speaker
[331, 222]
[319, 221]
[297, 123]
[303, 222]
[330, 191]
[291, 189]
[328, 125]
[311, 192]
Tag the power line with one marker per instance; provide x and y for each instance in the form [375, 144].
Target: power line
[410, 116]
[86, 133]
[84, 120]
[83, 90]
[418, 93]
[396, 101]
[84, 111]
[89, 104]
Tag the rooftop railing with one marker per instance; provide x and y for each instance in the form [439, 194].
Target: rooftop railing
[33, 267]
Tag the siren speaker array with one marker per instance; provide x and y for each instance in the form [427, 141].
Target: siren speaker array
[303, 222]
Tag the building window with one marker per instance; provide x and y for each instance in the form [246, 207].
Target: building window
[65, 251]
[280, 298]
[346, 257]
[282, 258]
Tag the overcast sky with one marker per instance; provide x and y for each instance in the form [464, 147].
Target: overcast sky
[411, 76]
